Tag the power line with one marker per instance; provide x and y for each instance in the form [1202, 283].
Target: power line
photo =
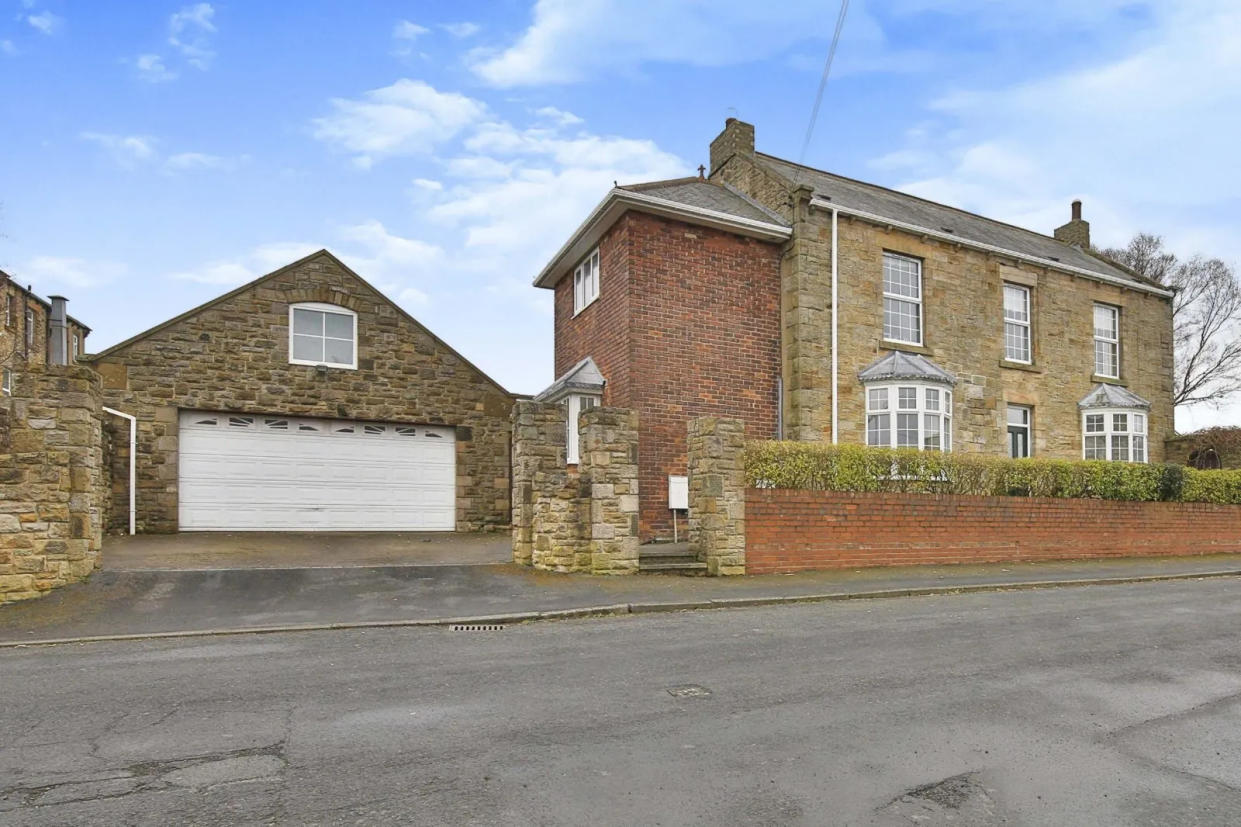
[827, 68]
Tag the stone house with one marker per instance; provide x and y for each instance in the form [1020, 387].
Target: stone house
[304, 400]
[816, 307]
[35, 331]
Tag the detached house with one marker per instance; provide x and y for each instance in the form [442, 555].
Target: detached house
[816, 307]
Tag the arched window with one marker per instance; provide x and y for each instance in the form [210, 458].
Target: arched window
[323, 334]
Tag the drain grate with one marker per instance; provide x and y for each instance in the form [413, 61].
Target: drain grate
[477, 627]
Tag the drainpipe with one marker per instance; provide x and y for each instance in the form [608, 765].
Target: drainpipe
[133, 455]
[835, 348]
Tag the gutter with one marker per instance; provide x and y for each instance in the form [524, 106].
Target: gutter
[978, 245]
[133, 456]
[626, 199]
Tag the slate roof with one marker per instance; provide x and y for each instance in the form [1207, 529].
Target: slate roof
[1112, 396]
[901, 365]
[584, 377]
[910, 209]
[697, 192]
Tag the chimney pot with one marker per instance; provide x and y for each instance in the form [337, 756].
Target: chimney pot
[1077, 210]
[58, 331]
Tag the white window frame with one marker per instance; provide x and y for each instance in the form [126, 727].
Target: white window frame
[77, 344]
[586, 282]
[1027, 426]
[930, 402]
[1019, 322]
[6, 381]
[1134, 436]
[29, 327]
[325, 308]
[1113, 340]
[916, 301]
[576, 403]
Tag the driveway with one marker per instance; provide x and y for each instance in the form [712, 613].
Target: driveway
[213, 551]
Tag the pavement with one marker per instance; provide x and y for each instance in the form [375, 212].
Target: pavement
[156, 601]
[1101, 706]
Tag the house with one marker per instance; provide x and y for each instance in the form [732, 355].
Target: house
[35, 331]
[816, 307]
[304, 400]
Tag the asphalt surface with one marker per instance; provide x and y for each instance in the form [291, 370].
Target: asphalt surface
[1107, 705]
[161, 601]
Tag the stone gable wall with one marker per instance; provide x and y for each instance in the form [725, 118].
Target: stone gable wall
[232, 356]
[53, 499]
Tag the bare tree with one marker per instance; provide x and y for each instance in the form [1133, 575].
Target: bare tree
[1206, 317]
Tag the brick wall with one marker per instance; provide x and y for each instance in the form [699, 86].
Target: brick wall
[686, 325]
[52, 490]
[789, 530]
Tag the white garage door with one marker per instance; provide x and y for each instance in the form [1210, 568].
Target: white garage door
[279, 473]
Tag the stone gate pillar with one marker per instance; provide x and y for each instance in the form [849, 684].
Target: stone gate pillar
[546, 520]
[716, 450]
[609, 454]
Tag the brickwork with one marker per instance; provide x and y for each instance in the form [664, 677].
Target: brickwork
[52, 490]
[789, 530]
[581, 518]
[717, 504]
[686, 325]
[233, 355]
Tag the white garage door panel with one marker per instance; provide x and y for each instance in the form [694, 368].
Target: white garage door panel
[269, 473]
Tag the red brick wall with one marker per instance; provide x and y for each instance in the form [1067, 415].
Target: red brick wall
[788, 530]
[705, 338]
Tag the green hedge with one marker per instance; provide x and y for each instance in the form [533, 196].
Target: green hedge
[816, 466]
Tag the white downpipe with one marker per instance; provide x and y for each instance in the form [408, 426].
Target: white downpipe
[835, 340]
[133, 457]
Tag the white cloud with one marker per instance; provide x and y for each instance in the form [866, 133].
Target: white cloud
[407, 118]
[151, 68]
[7, 48]
[191, 161]
[259, 261]
[464, 29]
[570, 40]
[559, 117]
[126, 150]
[53, 272]
[189, 33]
[45, 22]
[393, 263]
[405, 30]
[428, 184]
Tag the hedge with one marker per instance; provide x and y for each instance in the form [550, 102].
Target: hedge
[816, 466]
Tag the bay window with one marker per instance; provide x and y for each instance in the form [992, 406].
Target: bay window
[1116, 435]
[909, 415]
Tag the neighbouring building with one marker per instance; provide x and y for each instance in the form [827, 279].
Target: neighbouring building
[35, 331]
[816, 307]
[305, 400]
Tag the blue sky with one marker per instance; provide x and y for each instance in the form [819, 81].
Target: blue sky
[156, 154]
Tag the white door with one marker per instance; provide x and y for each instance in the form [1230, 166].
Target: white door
[278, 473]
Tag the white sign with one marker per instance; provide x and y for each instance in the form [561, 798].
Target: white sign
[678, 493]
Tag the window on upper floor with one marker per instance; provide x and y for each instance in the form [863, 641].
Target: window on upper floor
[1107, 341]
[6, 381]
[29, 327]
[1117, 434]
[77, 345]
[10, 310]
[576, 403]
[909, 415]
[586, 282]
[902, 299]
[323, 334]
[1017, 337]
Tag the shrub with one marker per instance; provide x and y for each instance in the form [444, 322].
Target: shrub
[817, 466]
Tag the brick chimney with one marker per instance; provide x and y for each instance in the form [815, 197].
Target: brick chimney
[736, 139]
[1076, 232]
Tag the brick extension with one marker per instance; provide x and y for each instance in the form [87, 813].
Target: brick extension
[789, 530]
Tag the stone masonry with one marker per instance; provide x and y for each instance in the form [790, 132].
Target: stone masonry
[575, 519]
[52, 488]
[717, 493]
[232, 355]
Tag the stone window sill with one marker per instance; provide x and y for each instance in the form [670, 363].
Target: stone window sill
[1004, 363]
[1109, 380]
[888, 345]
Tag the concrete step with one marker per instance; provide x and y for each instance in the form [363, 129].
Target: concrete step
[663, 567]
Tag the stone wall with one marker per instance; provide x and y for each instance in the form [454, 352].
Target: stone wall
[52, 485]
[580, 518]
[790, 530]
[1224, 443]
[717, 507]
[232, 355]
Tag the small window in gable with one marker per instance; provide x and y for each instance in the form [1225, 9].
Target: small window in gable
[586, 282]
[323, 334]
